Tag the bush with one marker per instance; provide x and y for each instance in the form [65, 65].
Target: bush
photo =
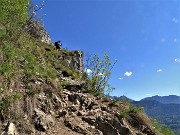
[130, 110]
[100, 72]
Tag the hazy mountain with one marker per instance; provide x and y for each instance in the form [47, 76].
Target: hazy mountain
[122, 98]
[164, 99]
[165, 109]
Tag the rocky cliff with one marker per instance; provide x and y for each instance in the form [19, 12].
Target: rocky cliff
[44, 91]
[70, 111]
[46, 109]
[74, 60]
[38, 32]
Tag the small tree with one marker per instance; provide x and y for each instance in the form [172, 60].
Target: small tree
[99, 72]
[32, 10]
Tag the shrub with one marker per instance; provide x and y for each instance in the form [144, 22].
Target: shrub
[99, 74]
[130, 110]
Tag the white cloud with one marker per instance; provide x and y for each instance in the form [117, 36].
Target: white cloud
[120, 78]
[175, 20]
[88, 71]
[177, 60]
[159, 70]
[128, 74]
[148, 94]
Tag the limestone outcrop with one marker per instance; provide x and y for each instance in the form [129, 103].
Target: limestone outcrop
[38, 32]
[73, 60]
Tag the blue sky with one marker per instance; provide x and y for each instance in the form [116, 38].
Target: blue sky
[144, 35]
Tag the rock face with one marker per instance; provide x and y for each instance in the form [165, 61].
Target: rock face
[72, 112]
[77, 61]
[74, 60]
[38, 32]
[42, 121]
[10, 129]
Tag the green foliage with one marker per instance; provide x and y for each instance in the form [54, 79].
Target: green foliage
[162, 129]
[50, 72]
[31, 92]
[9, 52]
[7, 70]
[2, 33]
[14, 15]
[130, 110]
[14, 11]
[64, 84]
[5, 103]
[17, 116]
[7, 99]
[100, 74]
[7, 67]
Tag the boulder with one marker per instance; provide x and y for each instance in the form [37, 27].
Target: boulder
[42, 121]
[10, 129]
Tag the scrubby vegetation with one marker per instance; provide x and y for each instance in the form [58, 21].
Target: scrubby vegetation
[130, 110]
[162, 128]
[100, 72]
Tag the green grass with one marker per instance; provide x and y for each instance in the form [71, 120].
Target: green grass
[162, 129]
[130, 110]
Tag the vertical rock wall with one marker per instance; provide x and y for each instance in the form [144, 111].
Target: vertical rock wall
[73, 59]
[38, 32]
[76, 61]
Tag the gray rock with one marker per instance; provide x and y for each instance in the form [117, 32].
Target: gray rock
[74, 124]
[10, 129]
[38, 32]
[56, 101]
[77, 61]
[42, 121]
[74, 60]
[62, 113]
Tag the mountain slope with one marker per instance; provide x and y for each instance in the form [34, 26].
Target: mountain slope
[165, 109]
[169, 114]
[44, 91]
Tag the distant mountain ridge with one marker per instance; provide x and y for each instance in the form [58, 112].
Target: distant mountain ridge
[168, 114]
[121, 97]
[171, 99]
[165, 109]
